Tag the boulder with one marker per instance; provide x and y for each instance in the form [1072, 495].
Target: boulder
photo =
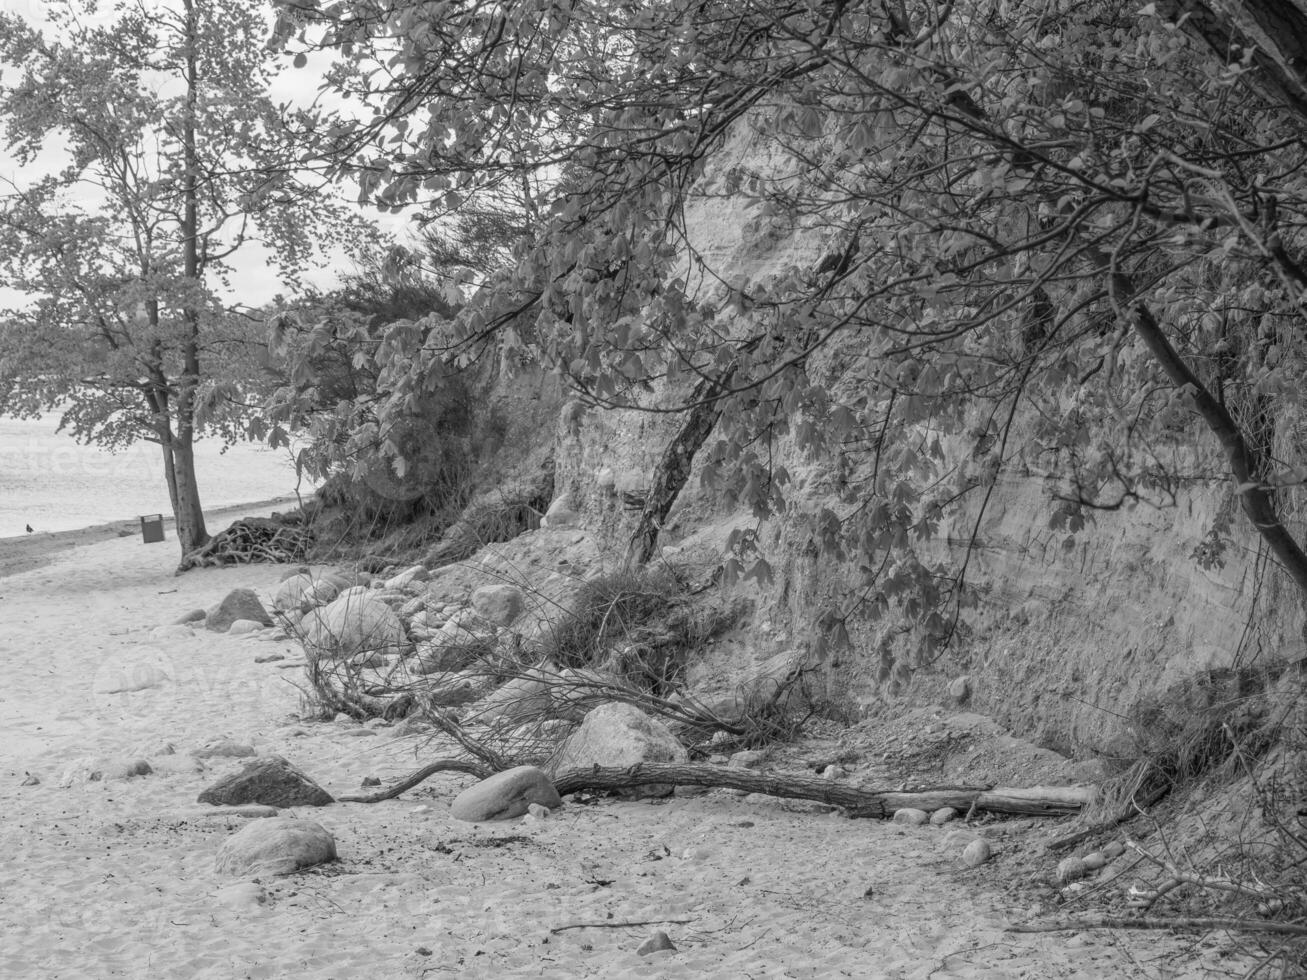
[275, 846]
[506, 795]
[618, 734]
[350, 624]
[303, 592]
[523, 699]
[561, 513]
[238, 604]
[499, 604]
[272, 781]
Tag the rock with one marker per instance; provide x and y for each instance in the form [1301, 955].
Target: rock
[619, 734]
[413, 608]
[243, 895]
[911, 816]
[351, 624]
[1070, 869]
[1114, 850]
[748, 759]
[292, 572]
[272, 781]
[223, 748]
[194, 616]
[499, 604]
[579, 690]
[267, 658]
[656, 943]
[175, 631]
[371, 781]
[414, 573]
[244, 626]
[303, 592]
[539, 811]
[561, 513]
[275, 846]
[238, 604]
[30, 780]
[976, 853]
[959, 838]
[960, 690]
[506, 795]
[1095, 860]
[525, 698]
[943, 815]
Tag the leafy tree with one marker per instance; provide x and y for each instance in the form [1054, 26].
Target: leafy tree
[1057, 237]
[172, 159]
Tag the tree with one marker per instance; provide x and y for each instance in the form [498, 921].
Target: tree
[172, 159]
[1060, 236]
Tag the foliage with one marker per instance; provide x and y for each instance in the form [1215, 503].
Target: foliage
[1056, 236]
[154, 155]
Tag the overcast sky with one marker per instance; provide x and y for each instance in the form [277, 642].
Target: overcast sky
[256, 280]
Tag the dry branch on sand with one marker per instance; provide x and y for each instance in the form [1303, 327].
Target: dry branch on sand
[1051, 801]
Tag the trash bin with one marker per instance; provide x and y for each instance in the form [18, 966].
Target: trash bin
[152, 528]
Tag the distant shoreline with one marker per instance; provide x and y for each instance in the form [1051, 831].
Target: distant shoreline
[25, 552]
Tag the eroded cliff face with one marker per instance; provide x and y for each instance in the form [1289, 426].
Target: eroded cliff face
[1071, 631]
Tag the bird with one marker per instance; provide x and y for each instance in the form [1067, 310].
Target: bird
[29, 529]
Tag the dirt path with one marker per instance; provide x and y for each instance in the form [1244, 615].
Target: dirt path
[114, 877]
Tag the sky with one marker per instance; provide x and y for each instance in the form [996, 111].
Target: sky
[255, 277]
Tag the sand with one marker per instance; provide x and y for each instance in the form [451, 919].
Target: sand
[114, 877]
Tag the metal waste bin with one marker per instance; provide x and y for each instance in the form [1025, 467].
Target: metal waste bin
[152, 528]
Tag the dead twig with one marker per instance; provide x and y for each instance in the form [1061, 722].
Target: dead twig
[1179, 922]
[617, 925]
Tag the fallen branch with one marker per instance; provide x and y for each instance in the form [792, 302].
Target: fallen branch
[421, 775]
[617, 925]
[1183, 922]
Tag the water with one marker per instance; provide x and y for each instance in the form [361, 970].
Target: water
[51, 482]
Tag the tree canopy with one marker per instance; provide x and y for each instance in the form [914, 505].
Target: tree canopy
[1060, 234]
[170, 159]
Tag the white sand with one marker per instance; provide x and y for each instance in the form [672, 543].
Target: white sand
[113, 878]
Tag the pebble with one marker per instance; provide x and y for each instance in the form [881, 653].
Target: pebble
[959, 838]
[371, 781]
[1094, 860]
[976, 853]
[539, 811]
[1069, 869]
[656, 943]
[911, 816]
[1114, 849]
[943, 815]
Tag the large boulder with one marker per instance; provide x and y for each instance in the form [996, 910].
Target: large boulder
[499, 604]
[619, 734]
[351, 623]
[272, 781]
[506, 795]
[303, 592]
[238, 604]
[275, 846]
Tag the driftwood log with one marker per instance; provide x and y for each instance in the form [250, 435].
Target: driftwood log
[1044, 801]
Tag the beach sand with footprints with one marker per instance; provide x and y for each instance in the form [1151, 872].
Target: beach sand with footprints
[106, 874]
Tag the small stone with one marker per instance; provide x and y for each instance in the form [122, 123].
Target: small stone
[943, 815]
[911, 816]
[30, 780]
[976, 853]
[1094, 860]
[223, 748]
[959, 838]
[194, 616]
[268, 658]
[960, 689]
[656, 943]
[748, 759]
[241, 626]
[1114, 849]
[371, 781]
[539, 811]
[238, 604]
[1070, 869]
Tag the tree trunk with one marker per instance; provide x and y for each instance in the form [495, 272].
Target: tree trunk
[191, 532]
[674, 468]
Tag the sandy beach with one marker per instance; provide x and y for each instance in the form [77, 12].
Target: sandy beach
[106, 875]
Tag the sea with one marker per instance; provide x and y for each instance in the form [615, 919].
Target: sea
[50, 482]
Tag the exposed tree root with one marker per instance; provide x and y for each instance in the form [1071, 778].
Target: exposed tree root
[252, 539]
[421, 775]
